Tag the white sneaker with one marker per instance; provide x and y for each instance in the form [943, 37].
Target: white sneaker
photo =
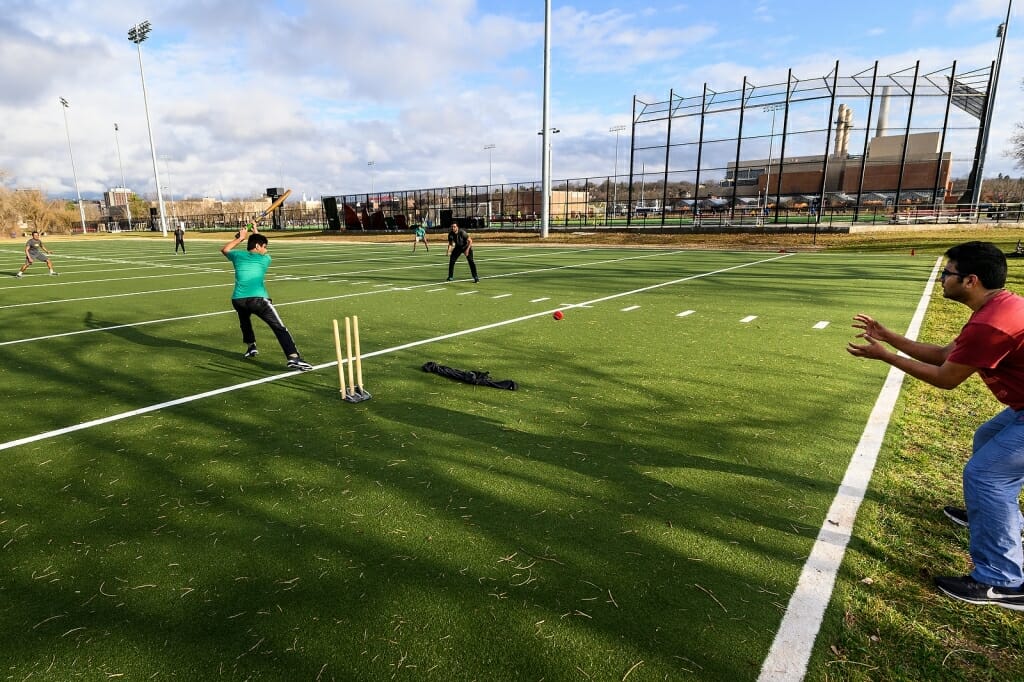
[19, 275]
[52, 273]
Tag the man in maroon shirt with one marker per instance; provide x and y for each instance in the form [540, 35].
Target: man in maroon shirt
[991, 344]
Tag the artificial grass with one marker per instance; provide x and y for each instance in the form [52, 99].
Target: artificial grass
[640, 508]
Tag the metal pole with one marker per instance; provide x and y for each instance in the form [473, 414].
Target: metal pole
[545, 202]
[74, 174]
[771, 142]
[137, 34]
[1001, 34]
[668, 150]
[489, 149]
[782, 145]
[170, 188]
[906, 141]
[371, 164]
[127, 199]
[615, 190]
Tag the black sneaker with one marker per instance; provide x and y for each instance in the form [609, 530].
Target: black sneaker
[299, 364]
[251, 352]
[956, 515]
[476, 280]
[449, 279]
[970, 590]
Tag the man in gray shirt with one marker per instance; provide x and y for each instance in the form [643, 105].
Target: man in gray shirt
[34, 250]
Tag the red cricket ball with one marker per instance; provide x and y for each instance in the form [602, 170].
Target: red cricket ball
[558, 315]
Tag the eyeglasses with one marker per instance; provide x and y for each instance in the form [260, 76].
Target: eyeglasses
[948, 273]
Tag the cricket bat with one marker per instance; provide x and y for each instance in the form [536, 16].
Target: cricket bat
[280, 200]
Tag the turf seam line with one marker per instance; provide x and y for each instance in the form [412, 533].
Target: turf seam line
[394, 349]
[791, 650]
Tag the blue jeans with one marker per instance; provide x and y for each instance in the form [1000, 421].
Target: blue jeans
[992, 483]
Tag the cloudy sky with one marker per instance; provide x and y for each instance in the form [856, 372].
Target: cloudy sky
[305, 93]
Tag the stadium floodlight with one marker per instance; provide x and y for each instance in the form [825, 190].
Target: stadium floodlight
[127, 199]
[74, 174]
[371, 164]
[615, 177]
[137, 34]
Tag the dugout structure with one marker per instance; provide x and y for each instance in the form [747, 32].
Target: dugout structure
[896, 139]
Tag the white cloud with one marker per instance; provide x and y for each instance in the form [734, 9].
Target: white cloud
[245, 96]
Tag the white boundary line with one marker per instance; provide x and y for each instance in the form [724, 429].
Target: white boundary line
[236, 387]
[790, 652]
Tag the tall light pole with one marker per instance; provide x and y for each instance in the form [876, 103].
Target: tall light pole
[170, 186]
[127, 199]
[546, 156]
[371, 164]
[1001, 34]
[771, 140]
[74, 174]
[488, 148]
[615, 177]
[545, 171]
[137, 34]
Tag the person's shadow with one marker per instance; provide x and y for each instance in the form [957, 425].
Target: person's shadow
[134, 335]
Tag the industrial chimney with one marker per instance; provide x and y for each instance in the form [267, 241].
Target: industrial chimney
[883, 113]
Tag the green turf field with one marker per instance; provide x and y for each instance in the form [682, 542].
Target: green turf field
[640, 508]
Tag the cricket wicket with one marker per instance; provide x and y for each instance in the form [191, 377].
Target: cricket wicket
[354, 392]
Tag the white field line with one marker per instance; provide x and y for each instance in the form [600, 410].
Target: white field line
[106, 296]
[273, 277]
[748, 318]
[821, 325]
[322, 299]
[540, 300]
[501, 296]
[225, 268]
[630, 308]
[394, 349]
[685, 313]
[791, 650]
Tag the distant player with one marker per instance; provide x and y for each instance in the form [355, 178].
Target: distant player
[420, 235]
[459, 242]
[179, 238]
[250, 296]
[34, 250]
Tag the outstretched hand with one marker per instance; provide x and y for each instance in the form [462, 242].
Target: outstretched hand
[872, 350]
[870, 327]
[873, 333]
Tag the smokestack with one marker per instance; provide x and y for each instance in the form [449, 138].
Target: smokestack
[847, 127]
[840, 122]
[883, 113]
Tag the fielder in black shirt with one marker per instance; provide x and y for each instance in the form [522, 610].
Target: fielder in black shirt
[459, 242]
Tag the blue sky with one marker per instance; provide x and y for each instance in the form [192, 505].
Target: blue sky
[302, 94]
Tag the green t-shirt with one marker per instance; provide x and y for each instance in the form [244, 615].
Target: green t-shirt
[250, 268]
